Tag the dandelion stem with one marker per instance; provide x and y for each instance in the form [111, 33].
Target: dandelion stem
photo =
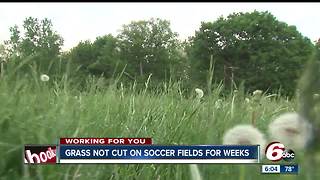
[195, 174]
[232, 106]
[253, 118]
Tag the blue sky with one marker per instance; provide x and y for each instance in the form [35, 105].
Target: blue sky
[85, 21]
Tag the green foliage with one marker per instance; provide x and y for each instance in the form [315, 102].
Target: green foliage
[150, 47]
[107, 55]
[39, 41]
[40, 114]
[2, 59]
[82, 55]
[318, 43]
[254, 47]
[100, 58]
[308, 91]
[143, 49]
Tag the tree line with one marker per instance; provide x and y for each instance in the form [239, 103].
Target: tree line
[253, 49]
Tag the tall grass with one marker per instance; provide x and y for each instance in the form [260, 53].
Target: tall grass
[35, 112]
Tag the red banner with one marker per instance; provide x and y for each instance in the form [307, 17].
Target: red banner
[40, 154]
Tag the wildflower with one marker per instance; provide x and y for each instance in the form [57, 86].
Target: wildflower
[316, 96]
[257, 93]
[44, 77]
[245, 135]
[247, 100]
[199, 93]
[292, 130]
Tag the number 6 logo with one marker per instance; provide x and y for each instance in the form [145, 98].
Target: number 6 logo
[274, 151]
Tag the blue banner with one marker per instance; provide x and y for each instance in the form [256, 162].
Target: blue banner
[159, 152]
[289, 169]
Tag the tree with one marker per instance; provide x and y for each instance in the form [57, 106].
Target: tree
[108, 56]
[83, 55]
[39, 40]
[255, 47]
[149, 47]
[102, 57]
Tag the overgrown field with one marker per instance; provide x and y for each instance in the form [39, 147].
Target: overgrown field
[35, 112]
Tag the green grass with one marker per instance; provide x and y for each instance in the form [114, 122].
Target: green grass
[34, 112]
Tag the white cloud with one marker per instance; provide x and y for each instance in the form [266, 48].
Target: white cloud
[82, 21]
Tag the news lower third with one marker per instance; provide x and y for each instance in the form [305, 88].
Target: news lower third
[143, 151]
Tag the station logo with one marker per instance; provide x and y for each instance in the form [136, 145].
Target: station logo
[276, 151]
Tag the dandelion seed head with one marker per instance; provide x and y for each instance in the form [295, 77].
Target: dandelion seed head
[199, 92]
[245, 135]
[44, 77]
[247, 100]
[257, 93]
[292, 130]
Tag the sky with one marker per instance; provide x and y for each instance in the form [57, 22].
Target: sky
[77, 22]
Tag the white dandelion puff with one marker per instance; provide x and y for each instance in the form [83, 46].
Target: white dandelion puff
[44, 77]
[245, 135]
[247, 100]
[199, 93]
[257, 93]
[292, 130]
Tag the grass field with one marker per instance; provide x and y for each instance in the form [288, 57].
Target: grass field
[35, 112]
